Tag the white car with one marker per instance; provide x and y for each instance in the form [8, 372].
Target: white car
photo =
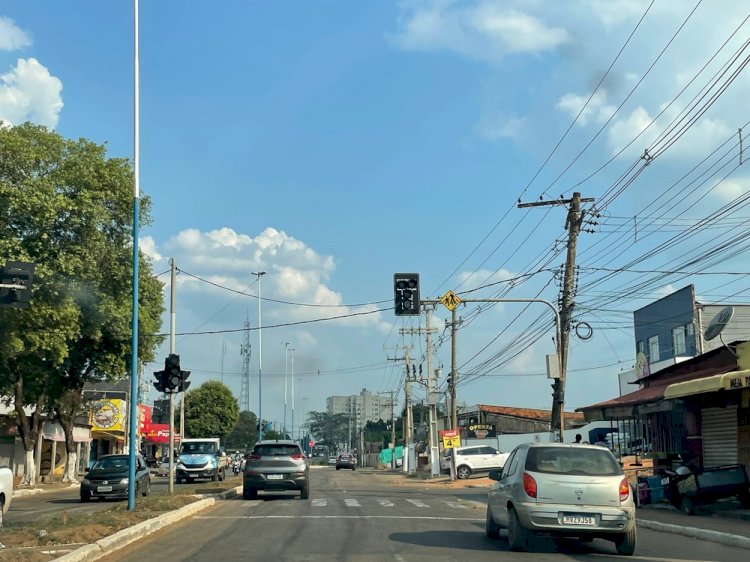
[472, 459]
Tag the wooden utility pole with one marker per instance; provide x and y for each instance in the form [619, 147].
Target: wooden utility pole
[573, 226]
[454, 374]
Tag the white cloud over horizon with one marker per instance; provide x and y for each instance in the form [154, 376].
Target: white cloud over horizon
[30, 93]
[482, 30]
[12, 37]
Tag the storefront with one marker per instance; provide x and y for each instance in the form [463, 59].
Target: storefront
[108, 423]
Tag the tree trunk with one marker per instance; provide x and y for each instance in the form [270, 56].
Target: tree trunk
[66, 413]
[29, 428]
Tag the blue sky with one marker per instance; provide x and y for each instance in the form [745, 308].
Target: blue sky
[333, 144]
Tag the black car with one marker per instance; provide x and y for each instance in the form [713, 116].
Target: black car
[108, 478]
[345, 460]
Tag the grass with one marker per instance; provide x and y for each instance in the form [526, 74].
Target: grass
[65, 528]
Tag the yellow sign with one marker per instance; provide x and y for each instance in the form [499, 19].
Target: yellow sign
[109, 416]
[451, 442]
[451, 300]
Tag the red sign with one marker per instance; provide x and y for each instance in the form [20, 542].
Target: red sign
[448, 433]
[312, 444]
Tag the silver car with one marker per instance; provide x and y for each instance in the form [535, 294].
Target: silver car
[276, 465]
[562, 490]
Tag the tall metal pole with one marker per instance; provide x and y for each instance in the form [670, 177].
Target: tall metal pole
[432, 397]
[454, 411]
[172, 331]
[133, 406]
[292, 427]
[260, 274]
[408, 430]
[286, 369]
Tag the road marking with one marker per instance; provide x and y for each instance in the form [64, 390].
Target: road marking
[455, 505]
[321, 502]
[417, 503]
[351, 502]
[385, 503]
[253, 503]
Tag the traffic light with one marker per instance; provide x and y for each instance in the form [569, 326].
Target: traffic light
[184, 383]
[16, 281]
[406, 294]
[161, 381]
[172, 366]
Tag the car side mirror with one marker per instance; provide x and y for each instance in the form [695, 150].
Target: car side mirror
[87, 469]
[495, 474]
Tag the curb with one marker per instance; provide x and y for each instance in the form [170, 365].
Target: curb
[726, 539]
[107, 545]
[20, 492]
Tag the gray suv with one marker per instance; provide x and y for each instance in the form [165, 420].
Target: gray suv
[276, 465]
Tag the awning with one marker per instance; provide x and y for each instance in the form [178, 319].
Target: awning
[734, 380]
[53, 431]
[625, 406]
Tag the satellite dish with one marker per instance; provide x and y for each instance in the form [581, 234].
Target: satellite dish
[718, 323]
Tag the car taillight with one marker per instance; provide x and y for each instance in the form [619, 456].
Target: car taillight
[298, 456]
[254, 457]
[624, 489]
[529, 485]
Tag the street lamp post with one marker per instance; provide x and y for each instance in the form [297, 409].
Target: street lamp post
[292, 427]
[260, 274]
[286, 368]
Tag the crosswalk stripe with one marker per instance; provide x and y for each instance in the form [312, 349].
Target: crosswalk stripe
[351, 502]
[253, 503]
[319, 502]
[417, 503]
[456, 505]
[385, 503]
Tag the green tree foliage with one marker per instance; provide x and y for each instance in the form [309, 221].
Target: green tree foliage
[210, 411]
[329, 430]
[245, 433]
[68, 208]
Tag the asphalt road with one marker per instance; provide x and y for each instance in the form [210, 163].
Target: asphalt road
[25, 510]
[362, 516]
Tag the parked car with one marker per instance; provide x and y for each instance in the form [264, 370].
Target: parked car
[6, 490]
[332, 461]
[345, 460]
[109, 478]
[276, 465]
[472, 459]
[563, 490]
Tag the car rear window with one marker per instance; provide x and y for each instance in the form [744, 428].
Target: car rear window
[570, 460]
[275, 450]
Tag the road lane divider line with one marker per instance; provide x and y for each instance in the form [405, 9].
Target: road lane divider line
[351, 502]
[385, 502]
[417, 503]
[319, 502]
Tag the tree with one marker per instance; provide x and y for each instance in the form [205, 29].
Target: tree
[245, 432]
[210, 411]
[68, 208]
[329, 430]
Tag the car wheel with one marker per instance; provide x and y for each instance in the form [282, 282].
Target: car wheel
[518, 535]
[188, 480]
[463, 472]
[249, 493]
[686, 506]
[625, 543]
[147, 488]
[215, 476]
[84, 498]
[338, 467]
[304, 494]
[744, 500]
[2, 506]
[491, 529]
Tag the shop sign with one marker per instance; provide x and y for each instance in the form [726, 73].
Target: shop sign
[481, 431]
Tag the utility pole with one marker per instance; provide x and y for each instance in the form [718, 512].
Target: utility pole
[454, 374]
[246, 352]
[409, 430]
[573, 226]
[172, 316]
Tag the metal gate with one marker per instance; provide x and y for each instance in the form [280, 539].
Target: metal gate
[719, 431]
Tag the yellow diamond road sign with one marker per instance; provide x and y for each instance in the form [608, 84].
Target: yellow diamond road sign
[451, 300]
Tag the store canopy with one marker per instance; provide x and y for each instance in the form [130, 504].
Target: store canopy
[734, 380]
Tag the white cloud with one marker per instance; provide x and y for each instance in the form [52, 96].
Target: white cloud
[729, 190]
[30, 93]
[494, 127]
[11, 36]
[147, 245]
[597, 109]
[482, 277]
[482, 30]
[295, 272]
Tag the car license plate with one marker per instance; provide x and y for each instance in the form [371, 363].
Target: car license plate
[275, 476]
[104, 488]
[579, 520]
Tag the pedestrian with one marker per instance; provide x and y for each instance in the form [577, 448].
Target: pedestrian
[578, 438]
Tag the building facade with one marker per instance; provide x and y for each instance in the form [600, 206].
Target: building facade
[363, 407]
